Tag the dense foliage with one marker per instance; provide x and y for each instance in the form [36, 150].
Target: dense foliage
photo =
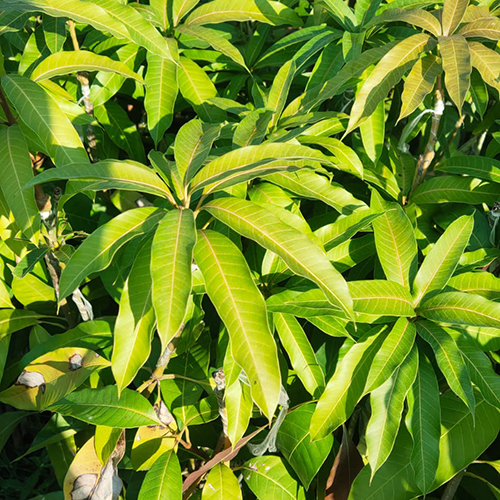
[249, 249]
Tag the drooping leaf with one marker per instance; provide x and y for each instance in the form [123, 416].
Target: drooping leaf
[135, 322]
[163, 481]
[171, 260]
[97, 251]
[242, 309]
[221, 484]
[486, 62]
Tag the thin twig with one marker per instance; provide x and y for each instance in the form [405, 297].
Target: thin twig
[452, 487]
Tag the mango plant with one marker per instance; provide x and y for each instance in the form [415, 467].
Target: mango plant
[249, 250]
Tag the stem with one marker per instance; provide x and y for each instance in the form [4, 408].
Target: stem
[83, 78]
[6, 108]
[425, 159]
[452, 487]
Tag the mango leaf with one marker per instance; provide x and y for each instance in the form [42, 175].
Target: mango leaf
[457, 67]
[453, 13]
[396, 347]
[485, 284]
[301, 353]
[245, 160]
[239, 406]
[135, 322]
[221, 11]
[252, 129]
[475, 166]
[456, 189]
[122, 131]
[483, 28]
[395, 241]
[380, 297]
[97, 251]
[298, 252]
[423, 422]
[161, 93]
[268, 477]
[440, 263]
[16, 172]
[480, 369]
[449, 360]
[215, 40]
[346, 386]
[386, 74]
[51, 377]
[13, 320]
[221, 484]
[196, 87]
[419, 83]
[293, 440]
[108, 174]
[486, 62]
[9, 421]
[42, 115]
[279, 90]
[171, 259]
[387, 404]
[417, 17]
[163, 481]
[105, 441]
[373, 133]
[64, 63]
[461, 309]
[242, 309]
[103, 407]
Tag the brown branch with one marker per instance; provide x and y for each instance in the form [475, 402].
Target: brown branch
[452, 487]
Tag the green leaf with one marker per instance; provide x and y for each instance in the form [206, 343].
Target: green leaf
[135, 322]
[456, 189]
[242, 308]
[461, 309]
[13, 320]
[417, 17]
[168, 171]
[139, 30]
[8, 423]
[453, 13]
[121, 129]
[215, 40]
[387, 404]
[345, 388]
[419, 83]
[485, 284]
[42, 115]
[105, 441]
[457, 67]
[161, 93]
[54, 32]
[192, 147]
[97, 251]
[239, 406]
[102, 406]
[381, 297]
[395, 241]
[279, 90]
[64, 63]
[164, 480]
[423, 422]
[440, 263]
[486, 61]
[301, 353]
[373, 133]
[394, 350]
[221, 484]
[172, 256]
[252, 129]
[310, 185]
[108, 174]
[269, 479]
[180, 8]
[243, 163]
[341, 12]
[299, 253]
[196, 87]
[480, 167]
[480, 369]
[221, 11]
[449, 360]
[16, 172]
[482, 28]
[386, 74]
[293, 440]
